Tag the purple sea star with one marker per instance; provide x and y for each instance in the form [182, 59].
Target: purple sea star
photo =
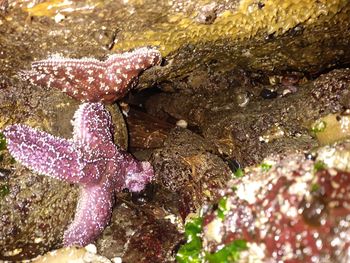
[90, 159]
[92, 80]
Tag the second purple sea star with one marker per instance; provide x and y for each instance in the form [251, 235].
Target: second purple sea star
[89, 159]
[92, 80]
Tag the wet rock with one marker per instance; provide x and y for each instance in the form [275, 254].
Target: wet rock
[34, 214]
[146, 131]
[71, 254]
[35, 210]
[153, 242]
[295, 211]
[209, 48]
[4, 5]
[305, 36]
[187, 167]
[263, 127]
[140, 232]
[330, 90]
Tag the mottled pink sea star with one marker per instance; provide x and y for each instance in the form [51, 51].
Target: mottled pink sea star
[89, 159]
[92, 80]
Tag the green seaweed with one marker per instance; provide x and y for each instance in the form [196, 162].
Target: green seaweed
[319, 165]
[190, 252]
[238, 173]
[315, 187]
[222, 208]
[2, 142]
[4, 190]
[319, 126]
[229, 253]
[265, 167]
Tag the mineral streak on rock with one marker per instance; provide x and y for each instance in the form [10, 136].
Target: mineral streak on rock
[92, 80]
[90, 159]
[293, 213]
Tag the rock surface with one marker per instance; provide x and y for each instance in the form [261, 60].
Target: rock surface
[186, 166]
[305, 36]
[292, 209]
[245, 71]
[35, 210]
[261, 126]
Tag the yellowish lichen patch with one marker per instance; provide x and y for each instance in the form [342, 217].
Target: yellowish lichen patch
[248, 20]
[332, 128]
[169, 25]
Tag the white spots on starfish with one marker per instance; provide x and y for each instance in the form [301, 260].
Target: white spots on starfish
[40, 76]
[99, 78]
[49, 81]
[84, 160]
[104, 86]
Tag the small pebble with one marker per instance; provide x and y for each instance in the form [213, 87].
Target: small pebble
[242, 99]
[116, 260]
[125, 108]
[91, 248]
[59, 17]
[182, 124]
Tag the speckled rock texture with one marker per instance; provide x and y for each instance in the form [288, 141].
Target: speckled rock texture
[35, 210]
[251, 131]
[186, 166]
[297, 210]
[240, 72]
[140, 230]
[305, 35]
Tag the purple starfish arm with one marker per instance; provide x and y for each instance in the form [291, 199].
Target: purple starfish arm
[92, 126]
[92, 134]
[90, 159]
[123, 69]
[92, 80]
[92, 215]
[44, 153]
[137, 174]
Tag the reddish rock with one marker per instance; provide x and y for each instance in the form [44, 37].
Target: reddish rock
[291, 213]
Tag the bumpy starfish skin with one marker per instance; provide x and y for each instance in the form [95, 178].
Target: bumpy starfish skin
[92, 80]
[89, 159]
